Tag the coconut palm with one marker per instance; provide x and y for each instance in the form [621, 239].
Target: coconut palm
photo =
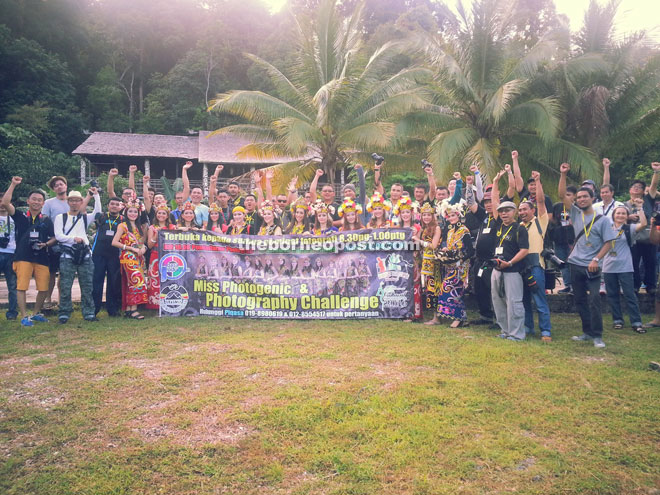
[613, 108]
[334, 104]
[484, 107]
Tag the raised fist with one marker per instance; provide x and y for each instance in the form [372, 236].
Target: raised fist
[16, 180]
[606, 162]
[218, 169]
[469, 180]
[187, 165]
[132, 168]
[564, 168]
[457, 175]
[536, 175]
[319, 172]
[146, 178]
[514, 154]
[113, 172]
[357, 166]
[474, 168]
[655, 166]
[93, 190]
[507, 168]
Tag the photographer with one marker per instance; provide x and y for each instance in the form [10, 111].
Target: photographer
[535, 221]
[76, 257]
[7, 249]
[34, 234]
[592, 235]
[106, 260]
[563, 236]
[511, 247]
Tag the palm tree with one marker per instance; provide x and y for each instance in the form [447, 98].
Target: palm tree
[335, 104]
[614, 106]
[484, 106]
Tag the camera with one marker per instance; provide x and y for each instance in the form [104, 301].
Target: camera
[655, 216]
[35, 245]
[426, 163]
[379, 159]
[95, 183]
[4, 241]
[549, 255]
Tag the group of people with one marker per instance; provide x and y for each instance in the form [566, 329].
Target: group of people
[468, 235]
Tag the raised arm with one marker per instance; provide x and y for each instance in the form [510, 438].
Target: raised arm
[378, 186]
[478, 184]
[269, 188]
[469, 195]
[256, 178]
[362, 185]
[653, 188]
[606, 171]
[145, 192]
[292, 191]
[430, 177]
[495, 192]
[564, 168]
[516, 172]
[93, 192]
[639, 204]
[314, 184]
[185, 180]
[511, 177]
[458, 190]
[131, 178]
[111, 182]
[6, 198]
[540, 196]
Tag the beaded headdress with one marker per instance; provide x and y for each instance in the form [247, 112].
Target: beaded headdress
[348, 205]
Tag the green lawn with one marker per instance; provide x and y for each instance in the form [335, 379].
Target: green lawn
[211, 406]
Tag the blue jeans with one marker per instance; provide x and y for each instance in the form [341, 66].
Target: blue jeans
[6, 260]
[562, 251]
[541, 304]
[625, 282]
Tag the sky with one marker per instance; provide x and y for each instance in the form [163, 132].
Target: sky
[633, 14]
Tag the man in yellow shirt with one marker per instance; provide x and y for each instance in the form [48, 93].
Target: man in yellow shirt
[535, 220]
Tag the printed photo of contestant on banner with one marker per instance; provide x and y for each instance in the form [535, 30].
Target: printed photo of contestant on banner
[369, 276]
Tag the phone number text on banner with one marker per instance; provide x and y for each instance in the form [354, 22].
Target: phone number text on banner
[358, 274]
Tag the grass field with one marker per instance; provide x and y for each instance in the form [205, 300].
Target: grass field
[207, 405]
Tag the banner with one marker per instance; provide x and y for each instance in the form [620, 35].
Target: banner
[358, 274]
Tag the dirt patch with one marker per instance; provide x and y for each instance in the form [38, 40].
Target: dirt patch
[204, 430]
[36, 392]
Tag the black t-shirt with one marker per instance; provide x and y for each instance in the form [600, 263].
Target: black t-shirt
[29, 231]
[473, 220]
[560, 229]
[106, 227]
[254, 221]
[511, 239]
[485, 247]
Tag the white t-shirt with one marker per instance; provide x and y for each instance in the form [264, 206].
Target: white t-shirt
[608, 210]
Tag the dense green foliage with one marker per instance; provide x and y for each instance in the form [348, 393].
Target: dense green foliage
[521, 80]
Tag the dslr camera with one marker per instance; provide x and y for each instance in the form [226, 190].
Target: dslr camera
[4, 241]
[379, 159]
[549, 255]
[426, 163]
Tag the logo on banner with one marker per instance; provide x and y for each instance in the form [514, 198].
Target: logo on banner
[172, 267]
[392, 297]
[174, 298]
[392, 268]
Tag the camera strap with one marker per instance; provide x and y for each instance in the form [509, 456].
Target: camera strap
[66, 217]
[581, 233]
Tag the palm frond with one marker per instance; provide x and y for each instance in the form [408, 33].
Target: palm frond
[500, 101]
[254, 106]
[541, 116]
[484, 154]
[448, 147]
[253, 132]
[394, 107]
[263, 151]
[295, 135]
[373, 135]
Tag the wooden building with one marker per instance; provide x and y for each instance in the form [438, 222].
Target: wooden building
[159, 155]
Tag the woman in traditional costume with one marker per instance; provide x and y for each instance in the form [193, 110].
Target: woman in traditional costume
[429, 239]
[270, 225]
[350, 211]
[322, 219]
[130, 237]
[300, 221]
[378, 206]
[161, 221]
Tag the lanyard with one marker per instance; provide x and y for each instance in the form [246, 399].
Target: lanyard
[114, 222]
[584, 226]
[609, 208]
[489, 219]
[617, 237]
[502, 237]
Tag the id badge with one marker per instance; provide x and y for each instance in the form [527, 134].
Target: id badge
[110, 233]
[499, 250]
[565, 223]
[480, 272]
[486, 230]
[34, 234]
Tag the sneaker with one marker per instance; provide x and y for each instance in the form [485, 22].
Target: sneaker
[27, 322]
[502, 336]
[40, 318]
[546, 338]
[513, 338]
[91, 318]
[581, 338]
[598, 342]
[653, 366]
[63, 319]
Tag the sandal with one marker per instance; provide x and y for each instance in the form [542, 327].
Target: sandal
[134, 315]
[618, 326]
[639, 329]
